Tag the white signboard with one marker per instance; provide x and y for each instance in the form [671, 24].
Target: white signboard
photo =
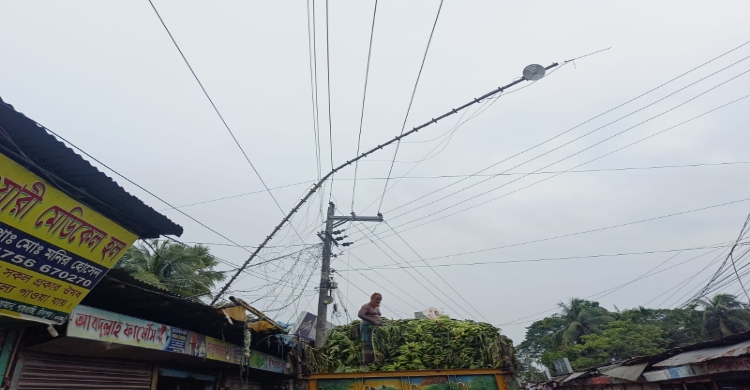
[431, 313]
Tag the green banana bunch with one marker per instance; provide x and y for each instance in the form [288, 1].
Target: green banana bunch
[418, 344]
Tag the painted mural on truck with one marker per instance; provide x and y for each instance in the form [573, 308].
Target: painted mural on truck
[381, 384]
[336, 384]
[452, 382]
[475, 382]
[428, 383]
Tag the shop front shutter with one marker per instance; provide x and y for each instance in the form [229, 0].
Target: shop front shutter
[236, 383]
[53, 372]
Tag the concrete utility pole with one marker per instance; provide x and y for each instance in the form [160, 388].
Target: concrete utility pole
[324, 299]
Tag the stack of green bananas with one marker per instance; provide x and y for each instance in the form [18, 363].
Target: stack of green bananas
[420, 344]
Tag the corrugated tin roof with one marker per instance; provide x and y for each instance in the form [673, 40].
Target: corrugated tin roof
[120, 292]
[575, 375]
[86, 183]
[631, 373]
[702, 355]
[723, 341]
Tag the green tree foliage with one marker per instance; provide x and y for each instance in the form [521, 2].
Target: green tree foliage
[620, 340]
[187, 271]
[680, 326]
[588, 334]
[579, 317]
[540, 337]
[723, 315]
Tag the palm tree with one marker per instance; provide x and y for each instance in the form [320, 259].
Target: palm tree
[724, 315]
[580, 317]
[187, 271]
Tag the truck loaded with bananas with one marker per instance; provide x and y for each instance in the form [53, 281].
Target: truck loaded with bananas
[416, 344]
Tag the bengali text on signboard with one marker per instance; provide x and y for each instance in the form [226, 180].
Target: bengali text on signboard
[53, 249]
[100, 325]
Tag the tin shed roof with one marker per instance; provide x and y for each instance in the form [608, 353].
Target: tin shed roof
[702, 355]
[30, 145]
[575, 375]
[631, 373]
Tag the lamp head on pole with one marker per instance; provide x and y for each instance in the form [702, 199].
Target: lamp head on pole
[533, 72]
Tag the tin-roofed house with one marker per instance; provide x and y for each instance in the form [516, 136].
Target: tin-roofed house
[127, 334]
[721, 364]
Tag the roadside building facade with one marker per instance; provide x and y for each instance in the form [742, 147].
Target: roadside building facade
[70, 321]
[721, 364]
[129, 335]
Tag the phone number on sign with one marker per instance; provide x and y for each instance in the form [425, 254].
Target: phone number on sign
[44, 268]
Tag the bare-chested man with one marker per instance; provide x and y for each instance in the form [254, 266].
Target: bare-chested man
[370, 315]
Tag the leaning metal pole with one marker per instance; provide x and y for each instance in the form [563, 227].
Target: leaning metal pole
[342, 166]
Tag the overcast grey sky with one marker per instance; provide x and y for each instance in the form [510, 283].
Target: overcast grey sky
[105, 75]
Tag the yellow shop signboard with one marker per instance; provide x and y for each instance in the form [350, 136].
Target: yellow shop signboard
[53, 249]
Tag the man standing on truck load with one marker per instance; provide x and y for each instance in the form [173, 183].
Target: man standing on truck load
[370, 315]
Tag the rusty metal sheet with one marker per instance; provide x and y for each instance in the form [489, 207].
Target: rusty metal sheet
[575, 375]
[600, 380]
[722, 366]
[631, 373]
[669, 373]
[702, 355]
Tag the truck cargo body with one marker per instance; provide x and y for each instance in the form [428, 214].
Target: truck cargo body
[413, 380]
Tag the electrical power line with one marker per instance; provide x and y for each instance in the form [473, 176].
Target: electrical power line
[364, 97]
[219, 259]
[313, 61]
[64, 186]
[317, 105]
[544, 259]
[645, 274]
[593, 118]
[318, 185]
[458, 124]
[689, 279]
[74, 146]
[553, 172]
[234, 196]
[702, 292]
[328, 79]
[731, 257]
[592, 230]
[519, 321]
[244, 246]
[577, 166]
[368, 295]
[216, 109]
[413, 277]
[576, 139]
[411, 100]
[452, 131]
[722, 268]
[439, 276]
[656, 167]
[396, 286]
